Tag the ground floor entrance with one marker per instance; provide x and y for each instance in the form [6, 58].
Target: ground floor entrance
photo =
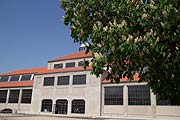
[61, 106]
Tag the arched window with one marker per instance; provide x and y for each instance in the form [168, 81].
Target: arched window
[61, 106]
[78, 106]
[46, 105]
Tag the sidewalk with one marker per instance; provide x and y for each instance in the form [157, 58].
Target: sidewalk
[56, 117]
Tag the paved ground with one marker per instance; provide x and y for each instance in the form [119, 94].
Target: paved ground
[46, 117]
[50, 117]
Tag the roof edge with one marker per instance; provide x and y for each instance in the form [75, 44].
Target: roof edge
[64, 70]
[76, 55]
[69, 59]
[24, 71]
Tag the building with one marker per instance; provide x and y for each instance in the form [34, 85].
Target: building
[65, 88]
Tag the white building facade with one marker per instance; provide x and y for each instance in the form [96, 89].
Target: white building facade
[65, 88]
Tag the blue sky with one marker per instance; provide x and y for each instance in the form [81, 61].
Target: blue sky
[31, 33]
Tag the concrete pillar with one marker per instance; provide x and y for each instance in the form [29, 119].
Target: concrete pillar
[69, 107]
[20, 78]
[9, 78]
[7, 98]
[32, 76]
[76, 64]
[55, 81]
[54, 96]
[153, 104]
[102, 100]
[125, 100]
[70, 93]
[70, 80]
[54, 89]
[19, 100]
[53, 106]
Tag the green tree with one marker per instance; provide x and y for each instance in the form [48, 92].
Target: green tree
[128, 37]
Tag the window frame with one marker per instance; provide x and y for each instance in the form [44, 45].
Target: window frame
[6, 80]
[80, 63]
[164, 102]
[70, 64]
[139, 95]
[58, 65]
[3, 97]
[26, 97]
[62, 104]
[15, 78]
[78, 81]
[25, 75]
[48, 105]
[48, 81]
[78, 108]
[63, 80]
[14, 98]
[113, 95]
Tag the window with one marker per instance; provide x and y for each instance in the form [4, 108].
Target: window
[61, 106]
[80, 63]
[164, 102]
[70, 64]
[26, 77]
[113, 95]
[46, 105]
[78, 106]
[14, 96]
[56, 66]
[26, 96]
[79, 79]
[3, 96]
[139, 95]
[14, 78]
[63, 80]
[4, 78]
[48, 81]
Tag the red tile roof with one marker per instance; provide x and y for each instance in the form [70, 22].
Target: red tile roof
[28, 83]
[44, 70]
[25, 71]
[124, 79]
[73, 56]
[36, 71]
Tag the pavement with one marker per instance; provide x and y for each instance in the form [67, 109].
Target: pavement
[51, 117]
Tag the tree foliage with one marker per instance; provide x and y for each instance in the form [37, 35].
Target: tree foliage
[128, 37]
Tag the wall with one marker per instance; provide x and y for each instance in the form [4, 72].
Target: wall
[137, 110]
[16, 107]
[51, 64]
[90, 92]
